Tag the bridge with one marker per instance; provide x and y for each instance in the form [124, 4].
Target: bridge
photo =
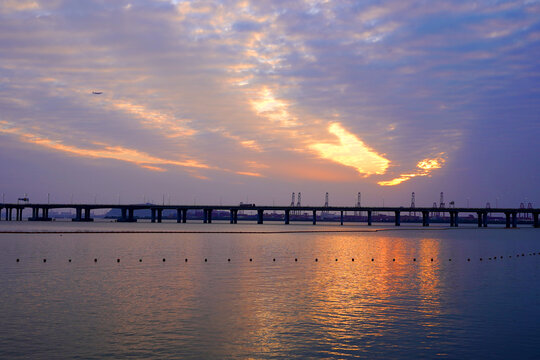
[40, 212]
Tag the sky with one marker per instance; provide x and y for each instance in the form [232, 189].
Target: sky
[221, 102]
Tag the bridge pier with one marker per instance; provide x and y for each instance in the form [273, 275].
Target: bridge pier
[341, 217]
[479, 214]
[184, 216]
[456, 218]
[369, 218]
[131, 217]
[260, 214]
[485, 219]
[179, 215]
[535, 220]
[87, 215]
[397, 218]
[153, 215]
[514, 220]
[79, 214]
[425, 218]
[159, 215]
[127, 215]
[507, 215]
[287, 217]
[314, 217]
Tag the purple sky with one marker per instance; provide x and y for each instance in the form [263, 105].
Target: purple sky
[229, 101]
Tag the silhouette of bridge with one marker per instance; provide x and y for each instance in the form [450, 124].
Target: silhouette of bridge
[40, 212]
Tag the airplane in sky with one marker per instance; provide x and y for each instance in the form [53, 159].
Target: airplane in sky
[97, 92]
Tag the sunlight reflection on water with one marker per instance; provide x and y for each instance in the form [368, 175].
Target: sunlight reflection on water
[392, 306]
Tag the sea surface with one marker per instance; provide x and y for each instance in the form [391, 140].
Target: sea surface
[272, 291]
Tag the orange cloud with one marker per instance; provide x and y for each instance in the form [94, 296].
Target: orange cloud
[166, 123]
[133, 156]
[426, 166]
[352, 152]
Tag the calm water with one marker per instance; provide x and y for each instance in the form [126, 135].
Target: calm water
[269, 309]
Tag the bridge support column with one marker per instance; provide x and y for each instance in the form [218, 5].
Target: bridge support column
[131, 217]
[535, 220]
[236, 216]
[341, 217]
[397, 218]
[184, 216]
[159, 215]
[210, 216]
[260, 213]
[479, 214]
[451, 218]
[369, 218]
[179, 216]
[425, 218]
[287, 217]
[78, 214]
[485, 219]
[153, 212]
[205, 216]
[87, 215]
[507, 214]
[314, 217]
[456, 218]
[514, 220]
[124, 214]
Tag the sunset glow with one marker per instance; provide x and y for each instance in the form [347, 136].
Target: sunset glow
[352, 152]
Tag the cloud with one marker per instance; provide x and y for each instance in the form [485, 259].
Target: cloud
[368, 88]
[425, 167]
[352, 152]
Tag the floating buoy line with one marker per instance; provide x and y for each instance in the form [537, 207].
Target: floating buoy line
[296, 259]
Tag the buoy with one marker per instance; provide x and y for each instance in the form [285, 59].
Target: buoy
[186, 260]
[393, 259]
[117, 260]
[18, 260]
[372, 259]
[480, 259]
[336, 259]
[431, 259]
[489, 258]
[295, 259]
[95, 260]
[163, 259]
[250, 259]
[205, 259]
[501, 257]
[468, 259]
[274, 259]
[414, 259]
[449, 259]
[316, 259]
[352, 259]
[44, 260]
[69, 260]
[229, 260]
[522, 254]
[140, 260]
